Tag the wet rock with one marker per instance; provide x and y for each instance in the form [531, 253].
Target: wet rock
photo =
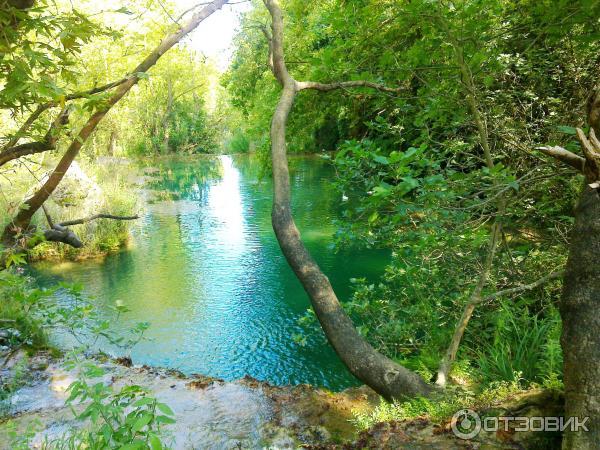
[124, 361]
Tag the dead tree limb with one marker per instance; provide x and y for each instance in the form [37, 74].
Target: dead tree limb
[565, 156]
[69, 223]
[61, 233]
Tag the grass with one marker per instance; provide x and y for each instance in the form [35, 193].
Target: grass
[441, 407]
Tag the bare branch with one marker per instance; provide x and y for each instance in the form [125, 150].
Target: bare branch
[96, 217]
[565, 156]
[524, 287]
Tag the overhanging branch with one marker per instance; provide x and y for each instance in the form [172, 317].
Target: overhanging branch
[45, 106]
[61, 233]
[326, 87]
[524, 287]
[96, 217]
[47, 143]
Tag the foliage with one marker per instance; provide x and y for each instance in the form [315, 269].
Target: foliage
[522, 344]
[238, 143]
[411, 164]
[441, 408]
[126, 418]
[123, 418]
[33, 69]
[20, 312]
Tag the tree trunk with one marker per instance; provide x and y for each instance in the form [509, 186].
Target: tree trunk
[474, 300]
[371, 367]
[580, 312]
[484, 140]
[580, 303]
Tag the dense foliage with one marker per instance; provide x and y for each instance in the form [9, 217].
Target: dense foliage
[504, 75]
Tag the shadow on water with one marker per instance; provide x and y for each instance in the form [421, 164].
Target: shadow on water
[205, 269]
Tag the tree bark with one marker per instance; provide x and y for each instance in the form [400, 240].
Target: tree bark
[23, 218]
[371, 367]
[580, 312]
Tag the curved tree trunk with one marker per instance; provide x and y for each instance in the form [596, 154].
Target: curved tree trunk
[371, 367]
[23, 218]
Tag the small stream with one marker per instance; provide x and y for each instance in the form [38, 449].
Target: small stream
[205, 270]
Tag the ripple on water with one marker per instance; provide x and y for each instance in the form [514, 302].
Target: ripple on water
[208, 274]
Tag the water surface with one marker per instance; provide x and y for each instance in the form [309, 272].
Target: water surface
[205, 270]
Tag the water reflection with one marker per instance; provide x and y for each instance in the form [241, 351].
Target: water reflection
[206, 271]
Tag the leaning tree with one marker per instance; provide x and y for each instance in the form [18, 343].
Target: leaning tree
[386, 377]
[21, 223]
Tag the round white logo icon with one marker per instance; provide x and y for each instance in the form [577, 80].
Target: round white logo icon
[466, 424]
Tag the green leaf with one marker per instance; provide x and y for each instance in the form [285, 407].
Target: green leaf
[165, 409]
[381, 159]
[567, 130]
[143, 401]
[155, 443]
[141, 423]
[165, 420]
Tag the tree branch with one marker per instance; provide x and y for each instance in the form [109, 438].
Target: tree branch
[524, 287]
[565, 156]
[45, 106]
[48, 143]
[96, 217]
[326, 87]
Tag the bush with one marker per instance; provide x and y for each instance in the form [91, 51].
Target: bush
[238, 143]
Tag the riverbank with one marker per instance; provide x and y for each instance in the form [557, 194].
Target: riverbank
[213, 414]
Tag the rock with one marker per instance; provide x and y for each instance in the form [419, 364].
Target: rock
[39, 363]
[124, 361]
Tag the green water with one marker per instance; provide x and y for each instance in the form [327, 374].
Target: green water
[205, 270]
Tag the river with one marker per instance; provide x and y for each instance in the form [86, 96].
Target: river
[204, 268]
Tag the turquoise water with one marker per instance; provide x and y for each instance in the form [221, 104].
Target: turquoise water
[205, 270]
